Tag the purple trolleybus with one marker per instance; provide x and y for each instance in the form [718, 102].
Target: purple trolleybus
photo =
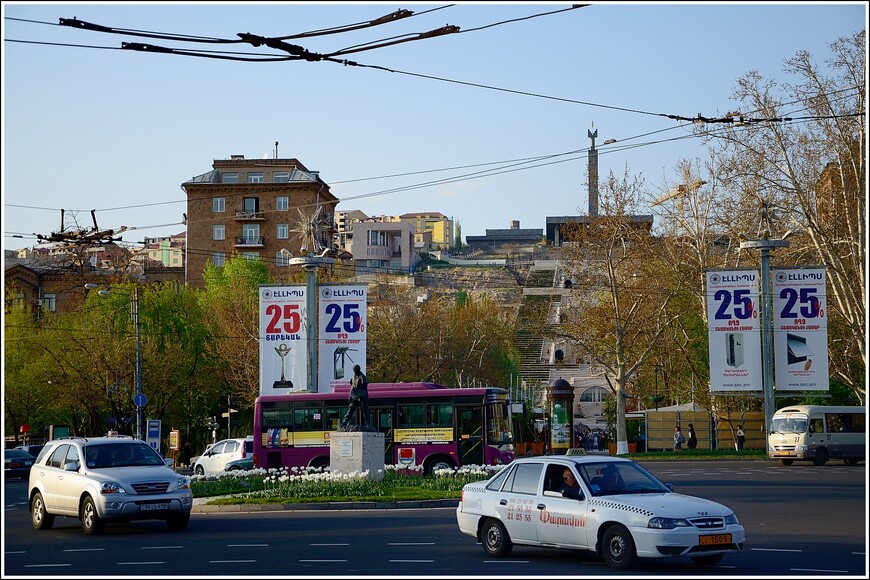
[423, 424]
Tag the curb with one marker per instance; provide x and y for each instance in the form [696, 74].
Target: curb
[205, 508]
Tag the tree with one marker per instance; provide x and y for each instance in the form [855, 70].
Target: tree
[232, 306]
[622, 300]
[799, 158]
[458, 236]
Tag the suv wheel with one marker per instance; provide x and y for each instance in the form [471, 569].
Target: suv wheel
[91, 522]
[41, 519]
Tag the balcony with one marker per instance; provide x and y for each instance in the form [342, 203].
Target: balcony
[249, 215]
[250, 242]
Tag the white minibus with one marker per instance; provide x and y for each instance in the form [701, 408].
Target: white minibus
[817, 433]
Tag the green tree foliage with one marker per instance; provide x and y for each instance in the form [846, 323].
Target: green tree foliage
[230, 302]
[461, 342]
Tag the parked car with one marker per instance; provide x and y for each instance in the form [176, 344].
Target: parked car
[240, 464]
[630, 515]
[214, 459]
[106, 479]
[194, 459]
[17, 463]
[31, 449]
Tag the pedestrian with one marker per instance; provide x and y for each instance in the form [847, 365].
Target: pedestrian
[741, 438]
[679, 439]
[185, 454]
[359, 398]
[692, 443]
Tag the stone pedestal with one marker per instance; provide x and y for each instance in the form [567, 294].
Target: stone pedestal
[358, 451]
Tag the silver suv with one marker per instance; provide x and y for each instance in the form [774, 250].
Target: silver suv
[121, 479]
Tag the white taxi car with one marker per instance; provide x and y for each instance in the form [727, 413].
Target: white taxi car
[617, 510]
[103, 479]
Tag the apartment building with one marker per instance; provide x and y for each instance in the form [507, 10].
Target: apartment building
[383, 245]
[438, 225]
[254, 208]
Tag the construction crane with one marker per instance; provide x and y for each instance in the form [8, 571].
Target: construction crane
[681, 189]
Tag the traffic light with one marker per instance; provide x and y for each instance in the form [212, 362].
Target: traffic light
[212, 422]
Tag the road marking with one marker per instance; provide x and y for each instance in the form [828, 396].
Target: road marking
[323, 560]
[247, 545]
[160, 547]
[411, 543]
[231, 561]
[137, 563]
[815, 571]
[45, 565]
[85, 550]
[344, 544]
[411, 561]
[774, 550]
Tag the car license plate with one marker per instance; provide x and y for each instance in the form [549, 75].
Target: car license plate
[153, 507]
[715, 540]
[782, 452]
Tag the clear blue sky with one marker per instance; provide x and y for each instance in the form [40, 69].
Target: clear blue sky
[119, 131]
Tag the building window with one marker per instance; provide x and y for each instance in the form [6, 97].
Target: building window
[281, 177]
[282, 203]
[49, 302]
[282, 231]
[255, 177]
[217, 232]
[251, 233]
[218, 205]
[251, 255]
[218, 259]
[232, 177]
[281, 259]
[377, 238]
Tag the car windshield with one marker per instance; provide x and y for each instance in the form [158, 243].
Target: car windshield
[617, 478]
[121, 455]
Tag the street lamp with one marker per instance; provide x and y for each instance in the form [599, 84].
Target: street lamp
[139, 400]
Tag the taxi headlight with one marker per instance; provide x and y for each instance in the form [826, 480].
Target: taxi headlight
[667, 523]
[731, 519]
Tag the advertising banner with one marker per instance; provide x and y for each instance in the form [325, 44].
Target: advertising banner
[342, 333]
[800, 329]
[283, 339]
[734, 330]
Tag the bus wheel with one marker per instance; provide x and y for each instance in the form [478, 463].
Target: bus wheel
[437, 463]
[787, 461]
[821, 457]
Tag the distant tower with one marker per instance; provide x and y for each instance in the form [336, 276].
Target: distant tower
[593, 175]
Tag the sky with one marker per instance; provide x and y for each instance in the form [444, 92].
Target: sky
[485, 125]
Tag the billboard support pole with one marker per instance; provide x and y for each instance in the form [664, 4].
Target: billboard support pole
[765, 244]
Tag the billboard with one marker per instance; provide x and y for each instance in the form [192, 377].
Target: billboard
[342, 333]
[283, 339]
[800, 329]
[734, 330]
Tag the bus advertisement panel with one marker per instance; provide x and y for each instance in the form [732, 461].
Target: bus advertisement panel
[423, 424]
